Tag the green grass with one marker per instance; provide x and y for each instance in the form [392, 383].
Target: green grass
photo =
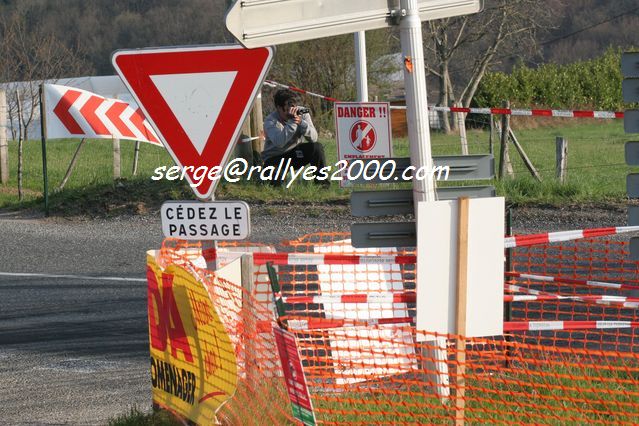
[568, 390]
[135, 417]
[596, 172]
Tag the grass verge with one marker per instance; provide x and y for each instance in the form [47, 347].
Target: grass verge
[596, 173]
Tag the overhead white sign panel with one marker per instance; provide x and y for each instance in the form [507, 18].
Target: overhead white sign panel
[258, 23]
[213, 220]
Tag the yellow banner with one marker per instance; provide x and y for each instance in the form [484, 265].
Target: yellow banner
[193, 364]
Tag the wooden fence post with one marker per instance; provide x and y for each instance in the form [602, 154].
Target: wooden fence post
[491, 141]
[136, 157]
[116, 159]
[561, 153]
[249, 317]
[460, 311]
[67, 175]
[257, 127]
[505, 167]
[243, 148]
[4, 144]
[529, 165]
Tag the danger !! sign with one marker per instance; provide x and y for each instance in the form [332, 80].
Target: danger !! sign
[363, 130]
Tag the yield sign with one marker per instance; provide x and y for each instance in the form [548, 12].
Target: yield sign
[196, 99]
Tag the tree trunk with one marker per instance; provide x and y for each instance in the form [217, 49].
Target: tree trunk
[20, 193]
[461, 119]
[443, 97]
[4, 145]
[451, 102]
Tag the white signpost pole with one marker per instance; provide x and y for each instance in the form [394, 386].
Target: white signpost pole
[361, 72]
[420, 154]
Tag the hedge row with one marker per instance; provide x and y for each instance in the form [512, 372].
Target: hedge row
[594, 83]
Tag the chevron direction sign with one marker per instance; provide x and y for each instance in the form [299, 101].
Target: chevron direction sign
[196, 98]
[76, 113]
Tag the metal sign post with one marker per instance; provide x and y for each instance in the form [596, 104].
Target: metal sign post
[435, 360]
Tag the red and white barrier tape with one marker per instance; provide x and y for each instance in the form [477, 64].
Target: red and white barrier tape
[406, 297]
[345, 259]
[486, 111]
[590, 283]
[509, 326]
[554, 237]
[323, 323]
[535, 295]
[329, 259]
[272, 83]
[567, 325]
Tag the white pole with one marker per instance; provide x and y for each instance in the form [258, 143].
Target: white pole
[420, 155]
[416, 101]
[361, 73]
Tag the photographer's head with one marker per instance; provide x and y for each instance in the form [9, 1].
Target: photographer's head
[285, 101]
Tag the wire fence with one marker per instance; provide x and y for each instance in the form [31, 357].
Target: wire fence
[571, 355]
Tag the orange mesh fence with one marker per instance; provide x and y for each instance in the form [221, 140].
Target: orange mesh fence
[598, 283]
[352, 314]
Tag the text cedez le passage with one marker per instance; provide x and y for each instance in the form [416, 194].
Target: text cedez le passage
[190, 212]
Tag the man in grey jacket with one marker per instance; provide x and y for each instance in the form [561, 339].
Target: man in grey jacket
[290, 133]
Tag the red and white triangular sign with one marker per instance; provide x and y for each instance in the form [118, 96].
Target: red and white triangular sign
[196, 98]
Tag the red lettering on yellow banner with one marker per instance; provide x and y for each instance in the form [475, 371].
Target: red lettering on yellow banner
[164, 318]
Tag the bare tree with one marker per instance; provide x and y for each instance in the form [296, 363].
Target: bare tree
[460, 50]
[326, 66]
[30, 58]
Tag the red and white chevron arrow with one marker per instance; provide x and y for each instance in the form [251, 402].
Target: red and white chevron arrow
[76, 113]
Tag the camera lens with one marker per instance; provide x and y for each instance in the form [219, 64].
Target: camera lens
[301, 111]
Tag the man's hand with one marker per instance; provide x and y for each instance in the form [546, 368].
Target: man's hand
[292, 112]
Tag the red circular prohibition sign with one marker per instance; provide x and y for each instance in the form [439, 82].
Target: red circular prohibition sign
[363, 136]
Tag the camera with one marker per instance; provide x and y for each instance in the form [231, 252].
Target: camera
[302, 111]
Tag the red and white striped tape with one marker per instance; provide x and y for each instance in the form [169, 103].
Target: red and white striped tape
[486, 111]
[509, 242]
[509, 326]
[323, 323]
[536, 295]
[567, 325]
[272, 83]
[76, 113]
[554, 237]
[329, 259]
[534, 112]
[404, 297]
[590, 283]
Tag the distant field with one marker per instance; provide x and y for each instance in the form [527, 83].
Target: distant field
[596, 169]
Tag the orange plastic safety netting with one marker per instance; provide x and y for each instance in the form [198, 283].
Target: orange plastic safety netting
[365, 363]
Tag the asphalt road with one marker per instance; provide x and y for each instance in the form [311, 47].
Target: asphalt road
[74, 350]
